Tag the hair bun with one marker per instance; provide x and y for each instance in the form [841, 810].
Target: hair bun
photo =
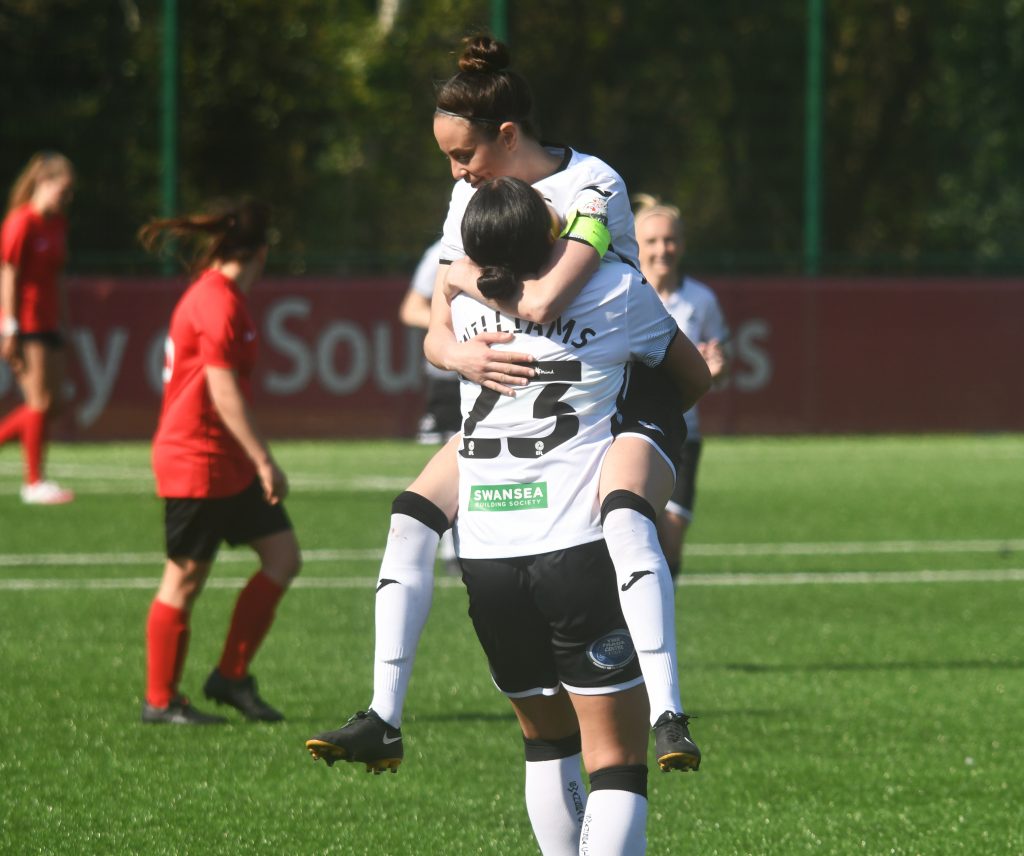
[497, 282]
[484, 54]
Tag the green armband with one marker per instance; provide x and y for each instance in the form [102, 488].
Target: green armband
[589, 230]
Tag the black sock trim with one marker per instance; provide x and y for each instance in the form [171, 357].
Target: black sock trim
[627, 499]
[552, 750]
[628, 777]
[422, 509]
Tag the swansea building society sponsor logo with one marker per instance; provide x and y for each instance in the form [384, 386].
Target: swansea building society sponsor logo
[508, 497]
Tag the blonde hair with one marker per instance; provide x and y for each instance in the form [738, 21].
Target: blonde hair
[40, 167]
[645, 205]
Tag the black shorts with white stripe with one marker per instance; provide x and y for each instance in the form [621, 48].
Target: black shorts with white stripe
[552, 619]
[650, 405]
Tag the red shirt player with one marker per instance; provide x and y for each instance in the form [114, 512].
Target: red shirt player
[194, 452]
[214, 470]
[33, 248]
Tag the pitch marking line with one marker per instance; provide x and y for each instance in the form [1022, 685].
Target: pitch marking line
[698, 580]
[844, 548]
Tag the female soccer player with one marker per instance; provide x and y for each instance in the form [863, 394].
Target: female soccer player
[659, 232]
[542, 589]
[33, 318]
[214, 470]
[483, 125]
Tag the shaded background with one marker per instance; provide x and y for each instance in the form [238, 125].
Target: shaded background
[851, 173]
[323, 107]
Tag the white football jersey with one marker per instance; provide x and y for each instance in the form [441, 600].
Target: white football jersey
[529, 465]
[699, 316]
[580, 182]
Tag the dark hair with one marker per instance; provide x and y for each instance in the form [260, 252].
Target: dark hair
[506, 230]
[231, 231]
[485, 91]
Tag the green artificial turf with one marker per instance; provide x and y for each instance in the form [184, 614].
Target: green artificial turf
[838, 713]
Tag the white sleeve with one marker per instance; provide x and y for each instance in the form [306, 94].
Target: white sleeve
[451, 237]
[605, 193]
[715, 326]
[426, 271]
[651, 328]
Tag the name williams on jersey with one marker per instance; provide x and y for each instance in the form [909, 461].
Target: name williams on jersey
[567, 330]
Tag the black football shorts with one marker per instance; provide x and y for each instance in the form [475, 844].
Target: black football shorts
[195, 528]
[650, 406]
[552, 620]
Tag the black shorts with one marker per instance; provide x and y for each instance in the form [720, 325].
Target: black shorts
[53, 339]
[194, 528]
[443, 415]
[685, 492]
[650, 405]
[551, 620]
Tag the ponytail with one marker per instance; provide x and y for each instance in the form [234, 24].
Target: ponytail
[232, 232]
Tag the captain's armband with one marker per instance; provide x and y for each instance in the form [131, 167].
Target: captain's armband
[588, 229]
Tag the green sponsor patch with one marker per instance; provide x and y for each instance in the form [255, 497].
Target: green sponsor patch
[508, 497]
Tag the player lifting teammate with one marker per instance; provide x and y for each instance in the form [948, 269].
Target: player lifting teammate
[483, 124]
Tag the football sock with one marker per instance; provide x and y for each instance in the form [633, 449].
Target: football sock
[33, 439]
[616, 817]
[556, 797]
[405, 588]
[253, 615]
[166, 646]
[13, 424]
[646, 594]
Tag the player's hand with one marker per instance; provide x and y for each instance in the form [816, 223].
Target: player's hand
[478, 362]
[461, 279]
[714, 356]
[273, 480]
[10, 352]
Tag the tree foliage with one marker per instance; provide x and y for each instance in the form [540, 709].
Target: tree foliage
[313, 106]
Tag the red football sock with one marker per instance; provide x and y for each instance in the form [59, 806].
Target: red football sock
[33, 439]
[13, 424]
[167, 635]
[253, 615]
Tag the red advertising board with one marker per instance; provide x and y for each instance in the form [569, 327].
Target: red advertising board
[810, 355]
[836, 355]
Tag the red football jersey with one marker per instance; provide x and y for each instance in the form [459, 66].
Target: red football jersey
[194, 453]
[37, 247]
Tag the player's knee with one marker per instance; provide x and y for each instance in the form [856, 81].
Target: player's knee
[293, 563]
[623, 777]
[628, 500]
[422, 509]
[539, 749]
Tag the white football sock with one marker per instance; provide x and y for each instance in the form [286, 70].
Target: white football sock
[555, 801]
[647, 597]
[615, 824]
[405, 588]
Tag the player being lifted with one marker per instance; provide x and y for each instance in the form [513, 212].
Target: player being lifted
[483, 124]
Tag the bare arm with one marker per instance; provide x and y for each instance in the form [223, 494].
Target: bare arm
[232, 408]
[688, 369]
[474, 359]
[415, 310]
[717, 358]
[9, 309]
[543, 299]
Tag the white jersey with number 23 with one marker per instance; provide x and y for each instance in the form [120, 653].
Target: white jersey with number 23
[529, 465]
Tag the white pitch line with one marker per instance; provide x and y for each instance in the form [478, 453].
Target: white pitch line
[853, 548]
[840, 548]
[72, 560]
[698, 580]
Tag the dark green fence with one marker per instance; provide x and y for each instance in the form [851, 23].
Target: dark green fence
[862, 136]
